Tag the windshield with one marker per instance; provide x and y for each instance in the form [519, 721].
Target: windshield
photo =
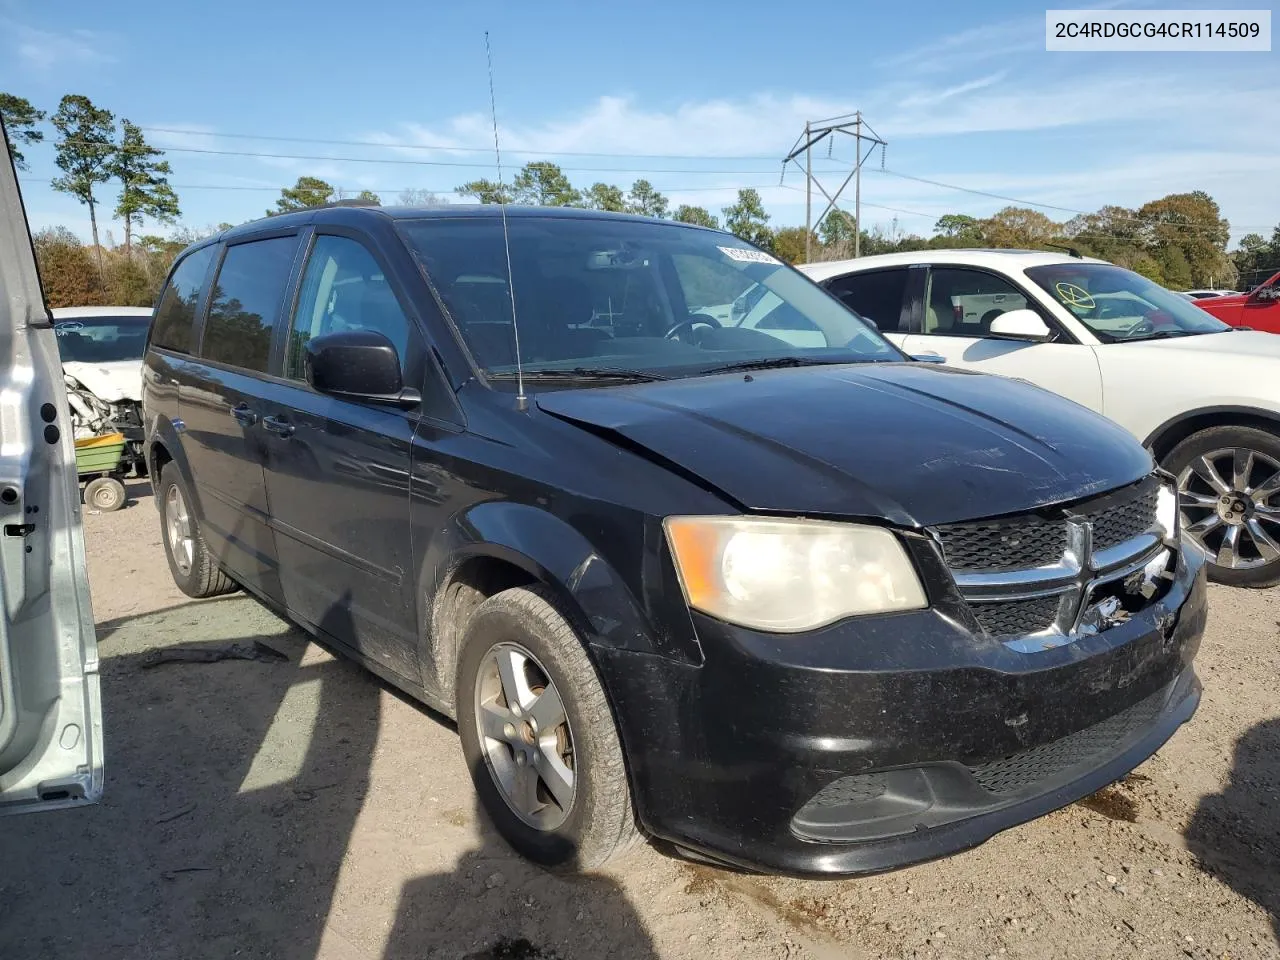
[101, 339]
[1120, 305]
[617, 295]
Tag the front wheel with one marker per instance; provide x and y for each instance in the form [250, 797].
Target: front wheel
[539, 737]
[1229, 494]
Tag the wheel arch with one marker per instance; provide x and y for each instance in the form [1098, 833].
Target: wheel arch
[498, 545]
[1168, 435]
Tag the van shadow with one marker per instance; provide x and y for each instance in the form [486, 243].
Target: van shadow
[1236, 834]
[495, 905]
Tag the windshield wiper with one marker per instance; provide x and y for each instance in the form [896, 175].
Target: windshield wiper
[1164, 335]
[583, 373]
[771, 364]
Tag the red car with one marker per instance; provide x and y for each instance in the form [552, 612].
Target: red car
[1259, 309]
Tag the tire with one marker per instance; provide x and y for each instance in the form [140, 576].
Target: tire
[193, 567]
[599, 823]
[106, 494]
[1205, 464]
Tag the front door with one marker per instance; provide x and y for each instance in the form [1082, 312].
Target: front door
[220, 404]
[338, 471]
[959, 306]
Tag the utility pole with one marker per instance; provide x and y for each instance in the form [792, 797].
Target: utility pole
[851, 125]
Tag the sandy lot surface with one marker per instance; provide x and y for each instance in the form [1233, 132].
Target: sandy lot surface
[296, 808]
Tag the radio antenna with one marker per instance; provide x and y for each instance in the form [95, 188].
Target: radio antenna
[522, 402]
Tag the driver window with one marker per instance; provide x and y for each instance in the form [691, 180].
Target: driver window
[963, 303]
[343, 288]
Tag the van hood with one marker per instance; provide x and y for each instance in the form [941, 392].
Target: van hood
[913, 444]
[109, 382]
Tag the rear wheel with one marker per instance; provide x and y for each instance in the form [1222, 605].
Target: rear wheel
[194, 569]
[539, 737]
[1229, 494]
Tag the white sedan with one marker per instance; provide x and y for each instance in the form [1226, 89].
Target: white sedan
[1203, 396]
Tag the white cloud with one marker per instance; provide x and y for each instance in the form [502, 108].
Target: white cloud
[45, 49]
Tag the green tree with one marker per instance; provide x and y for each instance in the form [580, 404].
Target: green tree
[1019, 227]
[789, 245]
[747, 220]
[958, 226]
[700, 216]
[604, 196]
[543, 184]
[369, 197]
[20, 119]
[485, 191]
[307, 192]
[67, 272]
[83, 152]
[1193, 224]
[836, 232]
[144, 183]
[646, 201]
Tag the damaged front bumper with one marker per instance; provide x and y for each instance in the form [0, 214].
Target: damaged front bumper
[885, 741]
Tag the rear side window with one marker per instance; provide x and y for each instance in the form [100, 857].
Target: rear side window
[876, 296]
[176, 313]
[246, 302]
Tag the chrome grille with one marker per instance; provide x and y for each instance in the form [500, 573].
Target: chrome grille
[1026, 576]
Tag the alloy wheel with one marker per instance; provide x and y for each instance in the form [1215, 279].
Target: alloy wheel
[177, 525]
[525, 736]
[1226, 498]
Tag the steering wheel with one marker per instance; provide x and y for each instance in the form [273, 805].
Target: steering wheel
[1143, 326]
[694, 320]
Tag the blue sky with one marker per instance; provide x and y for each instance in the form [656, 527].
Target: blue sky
[965, 95]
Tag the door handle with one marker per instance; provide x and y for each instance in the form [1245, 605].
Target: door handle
[281, 428]
[243, 415]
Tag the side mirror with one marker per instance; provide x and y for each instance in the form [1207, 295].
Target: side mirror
[1020, 325]
[928, 358]
[358, 365]
[1268, 294]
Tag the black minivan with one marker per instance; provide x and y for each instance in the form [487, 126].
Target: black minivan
[751, 582]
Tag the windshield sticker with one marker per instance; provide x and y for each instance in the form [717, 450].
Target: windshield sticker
[1074, 296]
[748, 256]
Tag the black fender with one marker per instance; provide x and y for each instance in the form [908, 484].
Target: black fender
[553, 552]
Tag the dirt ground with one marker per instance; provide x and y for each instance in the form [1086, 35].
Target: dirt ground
[296, 808]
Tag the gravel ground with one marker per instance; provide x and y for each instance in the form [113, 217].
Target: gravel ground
[294, 807]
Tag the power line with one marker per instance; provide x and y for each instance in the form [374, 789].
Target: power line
[1049, 206]
[262, 155]
[405, 145]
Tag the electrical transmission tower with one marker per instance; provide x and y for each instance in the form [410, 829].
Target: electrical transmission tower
[851, 125]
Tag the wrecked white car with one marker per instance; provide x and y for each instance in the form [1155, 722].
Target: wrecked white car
[101, 350]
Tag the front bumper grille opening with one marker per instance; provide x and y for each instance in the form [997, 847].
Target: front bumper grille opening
[1015, 618]
[1019, 771]
[846, 790]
